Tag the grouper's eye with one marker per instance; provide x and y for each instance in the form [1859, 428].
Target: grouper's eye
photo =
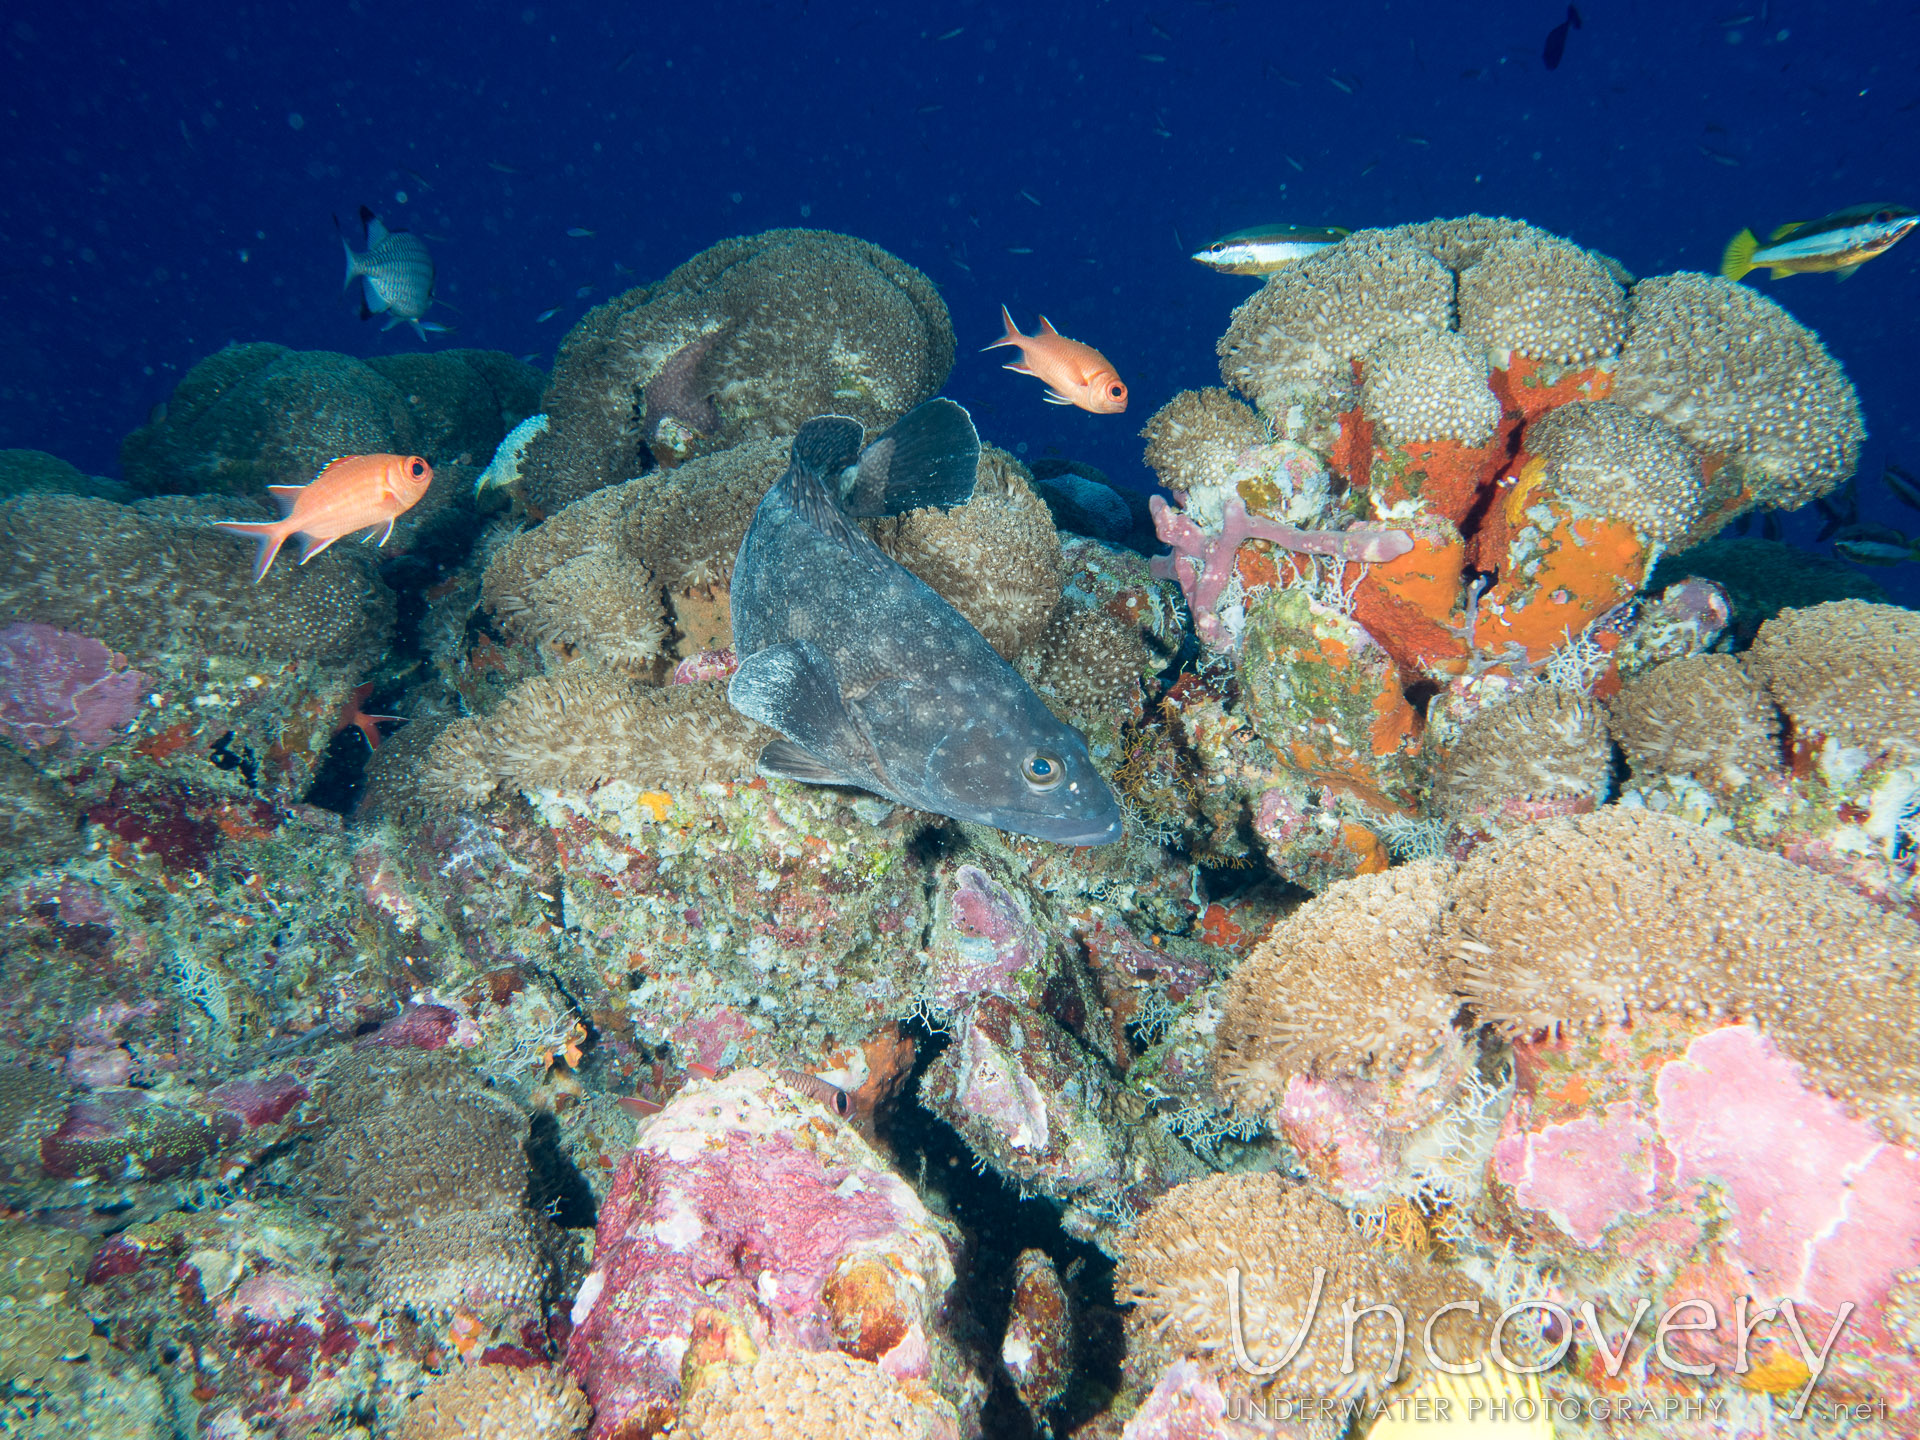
[1042, 772]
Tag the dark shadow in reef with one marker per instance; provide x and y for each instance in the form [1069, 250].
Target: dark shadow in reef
[998, 1225]
[553, 1184]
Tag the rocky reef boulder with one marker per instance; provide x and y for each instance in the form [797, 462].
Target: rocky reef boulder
[258, 415]
[749, 338]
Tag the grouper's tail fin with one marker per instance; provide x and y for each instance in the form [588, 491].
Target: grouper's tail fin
[929, 457]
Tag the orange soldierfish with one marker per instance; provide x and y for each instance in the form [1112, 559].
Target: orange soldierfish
[355, 492]
[1076, 374]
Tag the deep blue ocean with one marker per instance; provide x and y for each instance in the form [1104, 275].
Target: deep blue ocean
[171, 171]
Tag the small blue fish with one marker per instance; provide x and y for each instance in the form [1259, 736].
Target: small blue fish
[546, 315]
[397, 275]
[579, 233]
[874, 680]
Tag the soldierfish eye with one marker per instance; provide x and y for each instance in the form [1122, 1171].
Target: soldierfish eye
[1042, 772]
[417, 468]
[1116, 390]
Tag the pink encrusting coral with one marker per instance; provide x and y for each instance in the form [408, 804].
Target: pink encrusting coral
[1701, 1157]
[984, 943]
[56, 685]
[745, 1211]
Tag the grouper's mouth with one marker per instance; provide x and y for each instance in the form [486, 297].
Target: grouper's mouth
[1091, 831]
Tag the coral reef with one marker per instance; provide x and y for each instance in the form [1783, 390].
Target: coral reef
[1544, 752]
[568, 583]
[1341, 987]
[1292, 342]
[258, 415]
[584, 1077]
[744, 1209]
[1737, 376]
[995, 559]
[428, 1169]
[38, 820]
[577, 731]
[497, 1402]
[1618, 462]
[1296, 1263]
[1555, 930]
[1414, 568]
[1846, 672]
[34, 472]
[153, 577]
[1542, 297]
[1429, 385]
[1702, 716]
[750, 338]
[810, 1395]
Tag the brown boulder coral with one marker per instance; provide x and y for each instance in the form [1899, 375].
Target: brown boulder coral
[428, 1168]
[686, 524]
[1429, 385]
[995, 559]
[257, 415]
[497, 1402]
[1460, 241]
[1292, 341]
[1339, 1029]
[1345, 984]
[1848, 671]
[751, 337]
[1542, 297]
[154, 577]
[1626, 465]
[1703, 716]
[810, 1395]
[1297, 1261]
[567, 582]
[1544, 752]
[1738, 376]
[577, 731]
[39, 822]
[1574, 924]
[1087, 664]
[1195, 439]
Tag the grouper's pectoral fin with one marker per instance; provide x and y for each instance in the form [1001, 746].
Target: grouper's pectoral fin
[784, 760]
[792, 688]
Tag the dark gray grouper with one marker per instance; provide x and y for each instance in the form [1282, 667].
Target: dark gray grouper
[875, 680]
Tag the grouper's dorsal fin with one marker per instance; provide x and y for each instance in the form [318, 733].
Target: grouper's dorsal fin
[824, 446]
[827, 444]
[929, 457]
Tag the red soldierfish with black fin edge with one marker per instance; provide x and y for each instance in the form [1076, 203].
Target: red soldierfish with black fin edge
[1076, 374]
[353, 493]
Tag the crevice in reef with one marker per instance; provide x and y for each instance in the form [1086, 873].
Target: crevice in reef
[553, 1184]
[997, 1225]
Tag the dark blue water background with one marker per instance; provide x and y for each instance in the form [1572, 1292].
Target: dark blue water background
[170, 170]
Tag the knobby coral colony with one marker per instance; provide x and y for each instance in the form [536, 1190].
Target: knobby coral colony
[1468, 443]
[569, 1086]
